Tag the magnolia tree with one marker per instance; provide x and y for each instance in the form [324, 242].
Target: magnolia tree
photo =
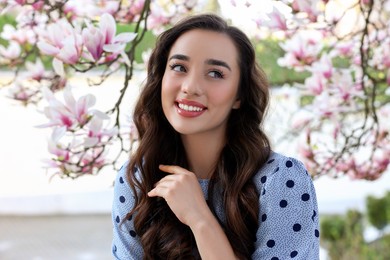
[343, 122]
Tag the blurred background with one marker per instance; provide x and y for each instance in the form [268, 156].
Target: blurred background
[45, 214]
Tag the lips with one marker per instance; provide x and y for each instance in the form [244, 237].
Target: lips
[188, 108]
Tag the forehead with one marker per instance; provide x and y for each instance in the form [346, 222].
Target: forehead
[206, 44]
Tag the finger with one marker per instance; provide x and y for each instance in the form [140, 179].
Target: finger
[165, 182]
[172, 169]
[158, 191]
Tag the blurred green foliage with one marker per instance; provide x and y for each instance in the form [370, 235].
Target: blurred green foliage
[342, 235]
[378, 211]
[268, 52]
[5, 19]
[147, 42]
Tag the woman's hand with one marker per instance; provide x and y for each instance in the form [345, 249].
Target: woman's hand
[184, 196]
[182, 191]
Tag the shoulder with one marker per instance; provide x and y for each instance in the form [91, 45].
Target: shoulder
[280, 166]
[288, 212]
[283, 177]
[121, 177]
[126, 243]
[122, 192]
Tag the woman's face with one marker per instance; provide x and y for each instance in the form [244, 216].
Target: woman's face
[200, 83]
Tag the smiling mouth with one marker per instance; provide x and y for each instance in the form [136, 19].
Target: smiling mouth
[190, 108]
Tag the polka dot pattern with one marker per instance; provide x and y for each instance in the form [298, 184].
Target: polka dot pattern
[289, 164]
[283, 203]
[270, 243]
[288, 209]
[305, 197]
[290, 183]
[132, 233]
[293, 254]
[297, 227]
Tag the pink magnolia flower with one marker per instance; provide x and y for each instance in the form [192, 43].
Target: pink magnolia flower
[20, 36]
[92, 160]
[276, 20]
[63, 42]
[344, 48]
[310, 7]
[344, 86]
[157, 19]
[325, 105]
[90, 8]
[323, 67]
[103, 38]
[21, 92]
[130, 11]
[70, 114]
[36, 70]
[11, 52]
[301, 119]
[96, 132]
[301, 50]
[61, 152]
[137, 7]
[315, 84]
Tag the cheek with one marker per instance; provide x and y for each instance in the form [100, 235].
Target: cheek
[167, 92]
[224, 97]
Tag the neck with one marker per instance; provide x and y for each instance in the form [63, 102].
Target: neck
[203, 152]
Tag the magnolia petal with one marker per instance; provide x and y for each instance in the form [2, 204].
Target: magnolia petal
[88, 56]
[112, 132]
[107, 26]
[126, 59]
[100, 114]
[69, 54]
[85, 102]
[91, 142]
[58, 67]
[93, 40]
[47, 49]
[58, 133]
[47, 94]
[95, 125]
[124, 37]
[115, 47]
[46, 125]
[70, 101]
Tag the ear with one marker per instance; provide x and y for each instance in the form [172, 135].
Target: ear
[236, 104]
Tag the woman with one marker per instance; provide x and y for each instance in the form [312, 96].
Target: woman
[204, 182]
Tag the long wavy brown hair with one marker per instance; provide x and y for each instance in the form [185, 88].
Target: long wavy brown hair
[247, 148]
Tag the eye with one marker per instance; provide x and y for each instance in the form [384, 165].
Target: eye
[216, 74]
[177, 67]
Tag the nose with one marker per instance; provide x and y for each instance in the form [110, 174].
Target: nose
[192, 85]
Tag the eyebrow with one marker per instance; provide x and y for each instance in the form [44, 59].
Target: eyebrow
[209, 61]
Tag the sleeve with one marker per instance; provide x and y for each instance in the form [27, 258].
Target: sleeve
[288, 217]
[126, 243]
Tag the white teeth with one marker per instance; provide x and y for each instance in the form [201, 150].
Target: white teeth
[190, 108]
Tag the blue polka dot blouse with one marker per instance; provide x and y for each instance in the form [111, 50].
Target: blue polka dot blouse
[288, 217]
